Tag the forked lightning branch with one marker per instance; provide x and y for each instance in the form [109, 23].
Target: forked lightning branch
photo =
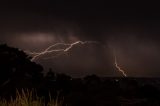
[59, 51]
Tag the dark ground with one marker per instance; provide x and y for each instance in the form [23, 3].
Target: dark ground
[114, 92]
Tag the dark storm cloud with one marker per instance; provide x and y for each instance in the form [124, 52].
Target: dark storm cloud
[133, 31]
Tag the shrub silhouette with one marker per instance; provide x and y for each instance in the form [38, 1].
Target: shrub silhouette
[16, 69]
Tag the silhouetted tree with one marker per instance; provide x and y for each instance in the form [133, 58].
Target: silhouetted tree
[50, 81]
[16, 69]
[50, 76]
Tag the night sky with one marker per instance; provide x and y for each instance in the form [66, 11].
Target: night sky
[130, 29]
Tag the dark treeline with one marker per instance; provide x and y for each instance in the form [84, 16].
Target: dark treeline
[17, 72]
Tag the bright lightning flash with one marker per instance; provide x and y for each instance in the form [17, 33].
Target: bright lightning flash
[118, 67]
[67, 47]
[58, 51]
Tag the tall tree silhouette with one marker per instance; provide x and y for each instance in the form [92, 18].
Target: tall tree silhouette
[16, 67]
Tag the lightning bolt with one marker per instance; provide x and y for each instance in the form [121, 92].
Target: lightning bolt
[65, 49]
[117, 66]
[58, 52]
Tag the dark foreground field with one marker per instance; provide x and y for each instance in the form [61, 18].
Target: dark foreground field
[93, 91]
[114, 92]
